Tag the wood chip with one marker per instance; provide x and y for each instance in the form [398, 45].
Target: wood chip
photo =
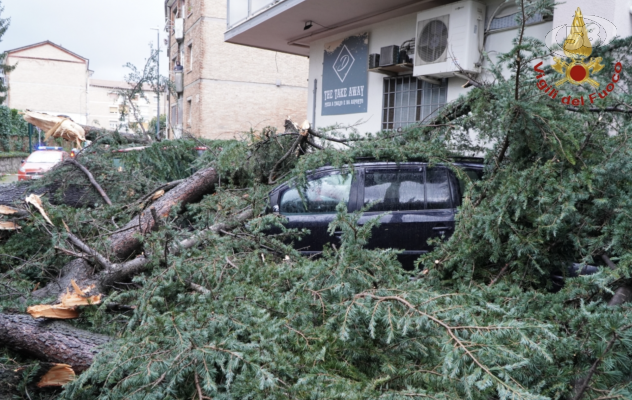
[37, 202]
[58, 375]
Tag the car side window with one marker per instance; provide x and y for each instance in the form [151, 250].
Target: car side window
[321, 195]
[394, 190]
[437, 189]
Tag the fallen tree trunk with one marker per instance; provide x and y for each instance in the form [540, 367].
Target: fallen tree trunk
[192, 189]
[51, 341]
[93, 133]
[73, 195]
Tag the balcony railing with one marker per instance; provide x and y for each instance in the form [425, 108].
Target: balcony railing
[241, 10]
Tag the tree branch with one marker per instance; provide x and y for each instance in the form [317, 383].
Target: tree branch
[91, 179]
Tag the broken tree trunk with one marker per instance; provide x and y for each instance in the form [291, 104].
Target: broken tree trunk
[192, 189]
[51, 341]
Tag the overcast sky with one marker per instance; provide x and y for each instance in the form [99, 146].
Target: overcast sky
[109, 33]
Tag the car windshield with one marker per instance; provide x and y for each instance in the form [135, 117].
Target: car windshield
[51, 157]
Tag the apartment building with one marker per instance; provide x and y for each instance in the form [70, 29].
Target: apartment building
[49, 78]
[108, 109]
[222, 89]
[392, 63]
[52, 79]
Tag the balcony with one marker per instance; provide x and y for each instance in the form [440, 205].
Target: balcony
[278, 24]
[241, 10]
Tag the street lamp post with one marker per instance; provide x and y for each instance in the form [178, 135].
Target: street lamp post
[157, 83]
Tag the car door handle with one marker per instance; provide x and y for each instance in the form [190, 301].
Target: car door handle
[442, 228]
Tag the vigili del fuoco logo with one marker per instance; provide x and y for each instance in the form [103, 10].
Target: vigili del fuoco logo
[577, 69]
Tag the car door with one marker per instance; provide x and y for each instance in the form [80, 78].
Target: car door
[415, 204]
[313, 207]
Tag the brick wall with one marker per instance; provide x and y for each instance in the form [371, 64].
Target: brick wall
[230, 88]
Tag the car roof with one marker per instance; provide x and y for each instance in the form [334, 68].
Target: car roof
[364, 164]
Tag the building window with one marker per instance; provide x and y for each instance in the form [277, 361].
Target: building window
[113, 124]
[191, 57]
[189, 113]
[408, 100]
[114, 110]
[511, 21]
[174, 115]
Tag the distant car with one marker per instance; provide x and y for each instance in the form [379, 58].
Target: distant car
[417, 203]
[40, 162]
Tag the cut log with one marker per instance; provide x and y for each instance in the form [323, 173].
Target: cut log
[191, 190]
[55, 342]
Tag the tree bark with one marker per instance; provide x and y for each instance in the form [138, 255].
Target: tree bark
[192, 189]
[15, 193]
[51, 341]
[92, 132]
[74, 195]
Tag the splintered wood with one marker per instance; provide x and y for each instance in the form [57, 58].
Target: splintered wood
[8, 226]
[70, 301]
[37, 202]
[6, 210]
[59, 375]
[57, 127]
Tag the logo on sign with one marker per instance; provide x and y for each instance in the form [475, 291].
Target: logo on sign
[343, 63]
[573, 62]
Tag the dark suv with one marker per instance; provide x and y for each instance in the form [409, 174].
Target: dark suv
[417, 203]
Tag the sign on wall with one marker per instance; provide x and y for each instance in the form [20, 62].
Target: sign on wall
[345, 75]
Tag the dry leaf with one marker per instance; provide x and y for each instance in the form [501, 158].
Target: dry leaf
[8, 226]
[59, 375]
[37, 202]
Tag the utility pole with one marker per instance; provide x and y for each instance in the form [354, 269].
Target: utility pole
[157, 83]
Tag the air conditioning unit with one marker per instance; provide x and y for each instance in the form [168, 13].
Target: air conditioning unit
[449, 39]
[178, 29]
[389, 55]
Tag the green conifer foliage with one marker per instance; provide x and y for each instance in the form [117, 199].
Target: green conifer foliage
[244, 316]
[4, 25]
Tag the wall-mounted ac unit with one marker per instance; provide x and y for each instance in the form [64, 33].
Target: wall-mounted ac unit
[449, 39]
[178, 29]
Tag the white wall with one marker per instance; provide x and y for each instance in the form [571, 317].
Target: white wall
[396, 31]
